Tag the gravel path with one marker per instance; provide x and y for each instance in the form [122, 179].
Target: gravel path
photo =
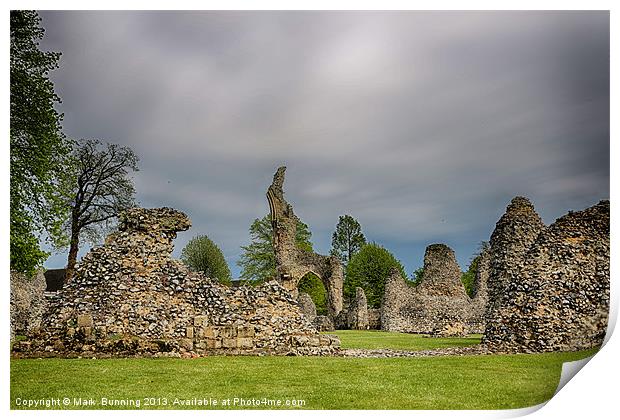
[383, 353]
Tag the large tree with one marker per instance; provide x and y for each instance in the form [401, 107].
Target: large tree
[203, 255]
[258, 261]
[369, 269]
[100, 188]
[347, 239]
[37, 147]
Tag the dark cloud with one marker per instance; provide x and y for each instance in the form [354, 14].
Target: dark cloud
[423, 125]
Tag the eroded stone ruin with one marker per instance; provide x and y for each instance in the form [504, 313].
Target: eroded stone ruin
[293, 263]
[357, 314]
[556, 292]
[438, 305]
[129, 297]
[27, 302]
[514, 234]
[480, 302]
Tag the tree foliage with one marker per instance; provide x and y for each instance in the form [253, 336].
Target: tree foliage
[416, 276]
[100, 188]
[347, 239]
[369, 269]
[313, 286]
[201, 254]
[468, 278]
[38, 149]
[258, 260]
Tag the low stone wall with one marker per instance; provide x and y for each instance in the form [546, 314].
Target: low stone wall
[129, 297]
[558, 298]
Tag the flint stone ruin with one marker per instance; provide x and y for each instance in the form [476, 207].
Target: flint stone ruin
[554, 293]
[438, 305]
[358, 311]
[514, 234]
[480, 302]
[293, 263]
[129, 297]
[27, 302]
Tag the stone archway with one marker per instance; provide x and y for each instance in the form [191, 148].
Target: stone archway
[293, 263]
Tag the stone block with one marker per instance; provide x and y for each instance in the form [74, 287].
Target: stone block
[88, 331]
[229, 332]
[85, 320]
[186, 343]
[210, 332]
[229, 343]
[245, 332]
[314, 341]
[200, 320]
[245, 343]
[214, 343]
[189, 332]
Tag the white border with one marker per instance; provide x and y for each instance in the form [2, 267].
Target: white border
[592, 394]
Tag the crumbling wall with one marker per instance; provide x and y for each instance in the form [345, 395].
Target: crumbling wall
[374, 318]
[558, 298]
[293, 263]
[307, 306]
[438, 305]
[27, 302]
[129, 297]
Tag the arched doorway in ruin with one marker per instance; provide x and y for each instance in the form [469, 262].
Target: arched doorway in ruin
[314, 286]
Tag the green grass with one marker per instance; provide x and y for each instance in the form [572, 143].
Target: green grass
[399, 341]
[466, 382]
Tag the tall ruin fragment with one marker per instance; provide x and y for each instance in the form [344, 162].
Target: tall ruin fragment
[130, 297]
[480, 300]
[514, 234]
[556, 297]
[293, 263]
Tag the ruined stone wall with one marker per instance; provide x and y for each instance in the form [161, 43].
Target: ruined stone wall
[293, 263]
[129, 297]
[27, 302]
[307, 306]
[358, 311]
[480, 302]
[438, 305]
[374, 319]
[557, 299]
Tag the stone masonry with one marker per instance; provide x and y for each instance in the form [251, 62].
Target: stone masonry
[557, 296]
[438, 305]
[480, 301]
[293, 263]
[307, 306]
[129, 297]
[514, 234]
[358, 311]
[27, 302]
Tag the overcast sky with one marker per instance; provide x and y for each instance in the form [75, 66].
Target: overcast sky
[421, 125]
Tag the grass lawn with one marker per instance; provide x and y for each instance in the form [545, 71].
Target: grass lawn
[390, 340]
[466, 382]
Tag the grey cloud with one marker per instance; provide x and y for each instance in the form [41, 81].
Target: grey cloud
[423, 125]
